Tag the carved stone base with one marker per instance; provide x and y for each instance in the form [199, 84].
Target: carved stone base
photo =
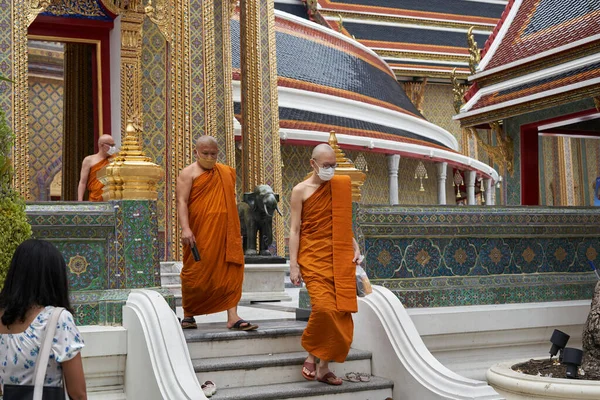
[264, 282]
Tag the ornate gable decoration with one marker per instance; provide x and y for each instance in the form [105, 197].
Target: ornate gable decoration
[77, 9]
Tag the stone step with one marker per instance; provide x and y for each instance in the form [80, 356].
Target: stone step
[376, 389]
[274, 336]
[107, 395]
[266, 369]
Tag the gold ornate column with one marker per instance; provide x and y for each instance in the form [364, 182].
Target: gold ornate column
[173, 20]
[23, 14]
[131, 67]
[180, 135]
[261, 152]
[218, 110]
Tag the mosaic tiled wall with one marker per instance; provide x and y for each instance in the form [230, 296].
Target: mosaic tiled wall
[109, 248]
[433, 257]
[154, 100]
[45, 134]
[438, 109]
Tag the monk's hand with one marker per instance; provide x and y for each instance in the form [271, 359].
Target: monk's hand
[187, 237]
[357, 256]
[295, 276]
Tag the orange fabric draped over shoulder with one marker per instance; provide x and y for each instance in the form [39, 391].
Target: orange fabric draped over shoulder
[325, 258]
[94, 186]
[214, 283]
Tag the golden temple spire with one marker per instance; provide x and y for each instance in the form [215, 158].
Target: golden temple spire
[131, 175]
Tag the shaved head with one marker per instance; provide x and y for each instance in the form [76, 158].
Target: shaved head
[206, 140]
[322, 150]
[106, 139]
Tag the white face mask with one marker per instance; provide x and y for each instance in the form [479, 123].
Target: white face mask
[326, 174]
[112, 150]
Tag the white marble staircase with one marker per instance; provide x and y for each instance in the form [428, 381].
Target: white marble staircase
[266, 364]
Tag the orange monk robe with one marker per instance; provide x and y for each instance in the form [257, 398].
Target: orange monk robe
[94, 186]
[325, 258]
[214, 283]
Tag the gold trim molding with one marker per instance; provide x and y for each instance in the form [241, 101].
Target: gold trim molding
[402, 20]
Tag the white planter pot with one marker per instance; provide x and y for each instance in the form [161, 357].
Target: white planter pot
[518, 386]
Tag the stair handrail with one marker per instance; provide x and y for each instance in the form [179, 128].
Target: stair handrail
[158, 361]
[383, 327]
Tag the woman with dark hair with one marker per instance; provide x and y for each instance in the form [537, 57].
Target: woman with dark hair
[35, 284]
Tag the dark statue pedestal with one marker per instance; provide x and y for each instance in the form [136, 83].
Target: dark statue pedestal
[258, 259]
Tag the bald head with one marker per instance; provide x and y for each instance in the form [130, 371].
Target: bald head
[322, 150]
[106, 139]
[206, 140]
[323, 159]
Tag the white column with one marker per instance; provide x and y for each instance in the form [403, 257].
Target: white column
[489, 188]
[393, 161]
[470, 177]
[442, 173]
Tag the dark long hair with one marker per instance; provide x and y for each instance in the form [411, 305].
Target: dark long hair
[37, 277]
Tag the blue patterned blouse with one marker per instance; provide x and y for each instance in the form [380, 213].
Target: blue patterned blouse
[18, 352]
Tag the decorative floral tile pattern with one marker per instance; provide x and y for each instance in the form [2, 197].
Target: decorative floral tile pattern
[109, 248]
[434, 256]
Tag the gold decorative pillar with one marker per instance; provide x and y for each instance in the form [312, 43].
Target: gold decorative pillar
[221, 104]
[131, 67]
[181, 144]
[173, 20]
[261, 152]
[23, 14]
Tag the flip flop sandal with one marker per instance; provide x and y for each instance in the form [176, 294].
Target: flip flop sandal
[188, 323]
[248, 327]
[364, 377]
[351, 377]
[209, 388]
[330, 379]
[310, 367]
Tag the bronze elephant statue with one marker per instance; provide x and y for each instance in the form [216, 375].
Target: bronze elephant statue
[256, 218]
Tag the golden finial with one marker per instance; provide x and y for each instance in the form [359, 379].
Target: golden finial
[474, 53]
[458, 92]
[340, 23]
[131, 175]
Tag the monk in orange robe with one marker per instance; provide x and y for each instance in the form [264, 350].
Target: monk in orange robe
[90, 167]
[209, 221]
[323, 253]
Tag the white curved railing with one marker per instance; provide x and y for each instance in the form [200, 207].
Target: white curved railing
[158, 362]
[383, 327]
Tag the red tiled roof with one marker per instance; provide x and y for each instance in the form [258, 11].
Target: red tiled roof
[541, 25]
[542, 85]
[499, 25]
